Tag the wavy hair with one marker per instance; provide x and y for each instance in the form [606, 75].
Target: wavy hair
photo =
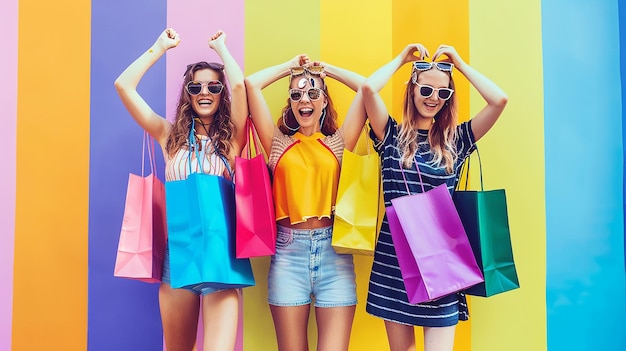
[329, 126]
[221, 129]
[441, 136]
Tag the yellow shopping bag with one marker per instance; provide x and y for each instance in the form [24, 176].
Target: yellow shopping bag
[358, 208]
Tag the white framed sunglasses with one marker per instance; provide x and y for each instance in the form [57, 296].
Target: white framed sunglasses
[213, 86]
[313, 93]
[427, 91]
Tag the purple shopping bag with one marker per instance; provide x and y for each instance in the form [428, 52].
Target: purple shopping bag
[433, 251]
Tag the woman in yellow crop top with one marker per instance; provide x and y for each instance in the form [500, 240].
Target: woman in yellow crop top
[306, 148]
[205, 99]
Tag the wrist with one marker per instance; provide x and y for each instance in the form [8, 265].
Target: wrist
[156, 50]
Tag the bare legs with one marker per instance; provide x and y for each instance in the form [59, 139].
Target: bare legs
[179, 315]
[220, 311]
[402, 338]
[333, 324]
[291, 327]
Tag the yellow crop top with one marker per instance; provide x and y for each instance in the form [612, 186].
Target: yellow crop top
[306, 174]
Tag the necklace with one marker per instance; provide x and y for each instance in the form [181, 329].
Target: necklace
[203, 126]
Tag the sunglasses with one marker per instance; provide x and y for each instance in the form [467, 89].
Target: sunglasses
[427, 91]
[216, 66]
[426, 65]
[314, 94]
[314, 70]
[214, 87]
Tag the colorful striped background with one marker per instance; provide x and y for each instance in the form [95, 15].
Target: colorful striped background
[67, 146]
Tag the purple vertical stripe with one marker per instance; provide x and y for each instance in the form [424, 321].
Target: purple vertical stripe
[8, 116]
[196, 21]
[123, 314]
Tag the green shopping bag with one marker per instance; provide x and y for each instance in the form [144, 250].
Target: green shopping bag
[485, 219]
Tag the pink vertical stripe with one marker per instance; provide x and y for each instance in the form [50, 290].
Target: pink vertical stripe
[196, 21]
[8, 116]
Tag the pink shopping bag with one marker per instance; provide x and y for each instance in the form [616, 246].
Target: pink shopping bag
[141, 247]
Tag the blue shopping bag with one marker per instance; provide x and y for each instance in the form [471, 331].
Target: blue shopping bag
[201, 225]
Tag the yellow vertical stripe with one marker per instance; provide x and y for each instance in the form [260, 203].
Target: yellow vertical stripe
[356, 36]
[506, 46]
[50, 288]
[275, 32]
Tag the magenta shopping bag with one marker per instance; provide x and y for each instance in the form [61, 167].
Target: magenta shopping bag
[433, 251]
[256, 219]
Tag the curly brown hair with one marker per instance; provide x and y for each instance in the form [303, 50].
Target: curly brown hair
[328, 127]
[221, 129]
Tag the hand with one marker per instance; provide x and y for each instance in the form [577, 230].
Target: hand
[317, 64]
[414, 52]
[300, 60]
[450, 53]
[217, 40]
[168, 39]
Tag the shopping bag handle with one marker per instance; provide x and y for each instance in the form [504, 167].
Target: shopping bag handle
[150, 148]
[417, 165]
[366, 137]
[255, 139]
[467, 170]
[193, 145]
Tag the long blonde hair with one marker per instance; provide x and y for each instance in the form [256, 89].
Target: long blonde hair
[441, 136]
[222, 128]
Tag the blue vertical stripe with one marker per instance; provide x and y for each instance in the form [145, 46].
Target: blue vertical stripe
[622, 46]
[123, 314]
[584, 176]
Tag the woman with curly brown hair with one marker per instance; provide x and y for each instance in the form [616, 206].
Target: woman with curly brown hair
[205, 106]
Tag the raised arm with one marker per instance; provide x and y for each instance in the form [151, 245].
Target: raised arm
[374, 104]
[494, 96]
[126, 86]
[355, 118]
[259, 110]
[239, 103]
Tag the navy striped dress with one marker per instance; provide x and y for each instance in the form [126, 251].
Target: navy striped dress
[387, 298]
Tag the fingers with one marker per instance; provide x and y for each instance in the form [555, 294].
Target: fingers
[422, 51]
[218, 34]
[448, 51]
[171, 33]
[169, 39]
[303, 59]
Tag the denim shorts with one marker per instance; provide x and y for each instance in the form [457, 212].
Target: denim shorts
[198, 289]
[306, 265]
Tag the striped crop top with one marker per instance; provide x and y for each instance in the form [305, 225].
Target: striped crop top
[305, 175]
[177, 167]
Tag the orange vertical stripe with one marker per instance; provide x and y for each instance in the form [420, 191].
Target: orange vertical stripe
[50, 288]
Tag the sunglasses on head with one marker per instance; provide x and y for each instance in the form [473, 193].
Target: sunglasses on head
[216, 66]
[427, 91]
[314, 94]
[213, 86]
[426, 65]
[314, 70]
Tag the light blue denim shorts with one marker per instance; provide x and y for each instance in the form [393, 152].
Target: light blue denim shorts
[198, 289]
[306, 265]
